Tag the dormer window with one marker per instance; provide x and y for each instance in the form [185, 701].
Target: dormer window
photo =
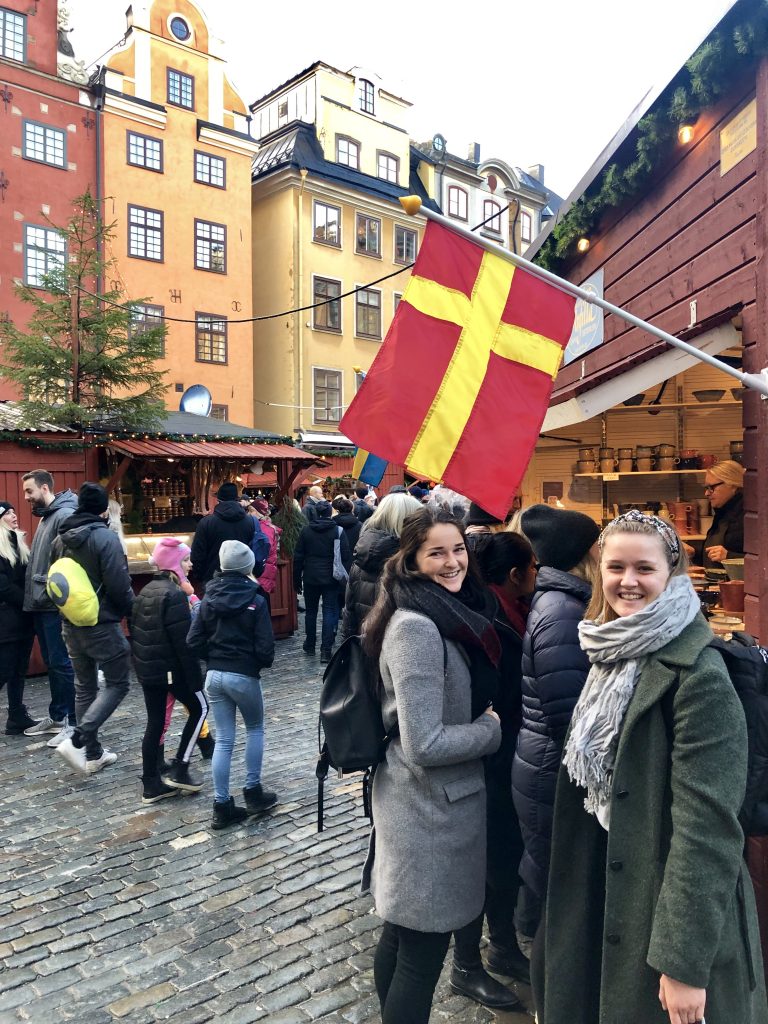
[367, 96]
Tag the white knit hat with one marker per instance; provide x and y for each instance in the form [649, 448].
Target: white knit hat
[234, 556]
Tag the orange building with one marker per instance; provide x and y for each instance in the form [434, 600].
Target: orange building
[177, 181]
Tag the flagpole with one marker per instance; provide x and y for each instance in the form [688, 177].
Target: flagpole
[756, 381]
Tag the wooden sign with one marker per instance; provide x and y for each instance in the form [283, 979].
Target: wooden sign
[739, 138]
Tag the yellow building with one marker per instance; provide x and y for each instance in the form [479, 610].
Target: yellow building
[334, 157]
[176, 165]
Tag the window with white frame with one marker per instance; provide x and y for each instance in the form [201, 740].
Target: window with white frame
[219, 412]
[457, 202]
[46, 144]
[44, 250]
[144, 151]
[181, 89]
[210, 246]
[368, 313]
[326, 224]
[368, 235]
[144, 317]
[396, 297]
[367, 95]
[388, 167]
[145, 233]
[210, 338]
[526, 226]
[406, 244]
[491, 216]
[347, 152]
[327, 317]
[326, 395]
[210, 170]
[13, 35]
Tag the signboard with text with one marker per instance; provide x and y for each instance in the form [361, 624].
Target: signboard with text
[587, 330]
[739, 138]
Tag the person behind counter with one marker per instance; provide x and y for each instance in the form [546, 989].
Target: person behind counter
[723, 485]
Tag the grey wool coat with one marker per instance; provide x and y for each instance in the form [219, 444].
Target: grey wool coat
[426, 859]
[666, 890]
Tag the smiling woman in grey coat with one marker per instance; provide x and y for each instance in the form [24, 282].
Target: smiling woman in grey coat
[437, 653]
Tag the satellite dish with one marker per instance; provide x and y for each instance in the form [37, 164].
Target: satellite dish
[196, 400]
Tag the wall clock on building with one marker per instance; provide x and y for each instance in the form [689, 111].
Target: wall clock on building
[180, 29]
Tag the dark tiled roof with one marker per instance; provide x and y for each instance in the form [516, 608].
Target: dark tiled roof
[204, 426]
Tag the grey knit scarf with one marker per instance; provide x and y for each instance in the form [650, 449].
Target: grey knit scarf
[617, 651]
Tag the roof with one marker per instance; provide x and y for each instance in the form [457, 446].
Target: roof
[10, 419]
[245, 451]
[294, 78]
[203, 426]
[296, 146]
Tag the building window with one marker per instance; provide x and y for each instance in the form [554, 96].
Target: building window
[327, 317]
[491, 216]
[406, 243]
[145, 233]
[347, 152]
[210, 247]
[46, 144]
[368, 313]
[457, 202]
[13, 35]
[181, 89]
[368, 235]
[388, 167]
[327, 224]
[210, 170]
[180, 29]
[210, 338]
[526, 226]
[396, 298]
[44, 250]
[326, 397]
[145, 317]
[367, 95]
[219, 412]
[144, 151]
[282, 113]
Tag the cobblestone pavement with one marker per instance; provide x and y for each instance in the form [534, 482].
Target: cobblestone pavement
[111, 911]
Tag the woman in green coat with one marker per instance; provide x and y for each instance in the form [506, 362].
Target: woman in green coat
[651, 916]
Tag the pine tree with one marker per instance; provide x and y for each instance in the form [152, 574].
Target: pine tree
[86, 357]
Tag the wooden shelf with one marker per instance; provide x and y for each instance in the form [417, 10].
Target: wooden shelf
[644, 472]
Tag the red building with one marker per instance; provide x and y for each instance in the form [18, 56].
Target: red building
[48, 144]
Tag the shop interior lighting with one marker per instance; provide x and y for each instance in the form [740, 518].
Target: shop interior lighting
[583, 244]
[685, 134]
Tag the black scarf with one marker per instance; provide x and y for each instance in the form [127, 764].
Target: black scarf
[467, 619]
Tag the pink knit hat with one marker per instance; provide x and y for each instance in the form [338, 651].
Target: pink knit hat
[168, 555]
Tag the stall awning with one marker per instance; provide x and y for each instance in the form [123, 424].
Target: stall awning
[211, 450]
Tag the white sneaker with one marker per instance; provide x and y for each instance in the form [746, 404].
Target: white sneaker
[46, 725]
[74, 756]
[107, 757]
[64, 734]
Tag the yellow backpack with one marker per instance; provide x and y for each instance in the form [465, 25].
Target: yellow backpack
[72, 592]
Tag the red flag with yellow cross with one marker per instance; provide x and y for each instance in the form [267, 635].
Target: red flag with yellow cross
[461, 384]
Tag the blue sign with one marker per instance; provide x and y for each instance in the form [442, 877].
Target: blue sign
[587, 330]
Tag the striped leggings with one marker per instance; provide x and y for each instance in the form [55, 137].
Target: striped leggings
[196, 704]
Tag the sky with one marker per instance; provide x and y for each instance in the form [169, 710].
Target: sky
[548, 82]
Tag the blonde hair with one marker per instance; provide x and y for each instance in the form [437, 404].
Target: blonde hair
[728, 472]
[7, 549]
[391, 511]
[115, 523]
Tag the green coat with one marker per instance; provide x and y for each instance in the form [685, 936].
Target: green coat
[666, 890]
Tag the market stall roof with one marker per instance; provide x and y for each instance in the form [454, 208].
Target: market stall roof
[190, 425]
[246, 452]
[10, 419]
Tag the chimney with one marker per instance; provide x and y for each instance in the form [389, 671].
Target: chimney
[537, 171]
[474, 152]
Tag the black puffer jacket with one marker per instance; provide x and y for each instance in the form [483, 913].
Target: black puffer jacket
[351, 525]
[363, 510]
[233, 629]
[554, 671]
[159, 625]
[14, 623]
[373, 549]
[727, 530]
[87, 539]
[228, 521]
[313, 557]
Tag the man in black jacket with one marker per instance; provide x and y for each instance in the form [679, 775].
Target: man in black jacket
[228, 521]
[362, 509]
[86, 538]
[313, 566]
[314, 498]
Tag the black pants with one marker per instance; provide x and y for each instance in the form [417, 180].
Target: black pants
[406, 969]
[196, 704]
[14, 661]
[330, 596]
[91, 648]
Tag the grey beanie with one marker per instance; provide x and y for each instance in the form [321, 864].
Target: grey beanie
[234, 556]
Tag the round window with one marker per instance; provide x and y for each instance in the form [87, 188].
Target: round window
[180, 29]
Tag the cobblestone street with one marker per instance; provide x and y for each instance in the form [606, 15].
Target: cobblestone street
[112, 911]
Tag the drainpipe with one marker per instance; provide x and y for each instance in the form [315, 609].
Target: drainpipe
[299, 291]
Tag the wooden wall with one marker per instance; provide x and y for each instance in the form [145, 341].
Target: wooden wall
[69, 469]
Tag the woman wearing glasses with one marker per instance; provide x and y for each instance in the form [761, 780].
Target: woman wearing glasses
[723, 485]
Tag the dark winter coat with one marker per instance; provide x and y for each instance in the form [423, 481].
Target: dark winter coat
[15, 624]
[159, 625]
[313, 557]
[362, 509]
[676, 897]
[727, 529]
[351, 525]
[309, 511]
[35, 595]
[554, 671]
[233, 629]
[87, 539]
[373, 549]
[228, 521]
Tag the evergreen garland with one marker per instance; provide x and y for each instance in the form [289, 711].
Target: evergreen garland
[291, 521]
[741, 39]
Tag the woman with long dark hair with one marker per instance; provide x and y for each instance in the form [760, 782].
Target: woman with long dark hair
[430, 631]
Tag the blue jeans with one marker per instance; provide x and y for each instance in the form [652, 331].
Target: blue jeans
[228, 692]
[330, 596]
[61, 675]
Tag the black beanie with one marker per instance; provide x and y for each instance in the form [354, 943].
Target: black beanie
[323, 509]
[479, 517]
[227, 492]
[92, 498]
[5, 506]
[560, 538]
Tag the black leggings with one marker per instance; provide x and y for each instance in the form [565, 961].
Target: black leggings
[406, 969]
[155, 698]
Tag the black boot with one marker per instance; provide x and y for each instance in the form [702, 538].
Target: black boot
[162, 765]
[18, 721]
[180, 777]
[206, 746]
[325, 655]
[477, 984]
[308, 649]
[227, 813]
[511, 963]
[156, 789]
[258, 799]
